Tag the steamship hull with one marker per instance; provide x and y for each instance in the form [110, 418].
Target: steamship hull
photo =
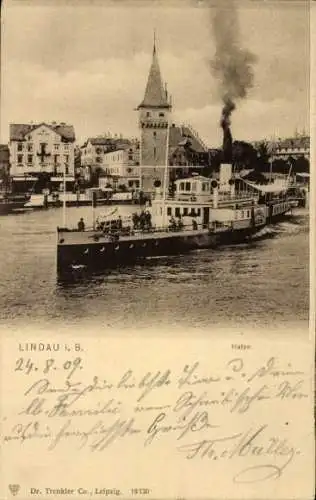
[92, 252]
[277, 210]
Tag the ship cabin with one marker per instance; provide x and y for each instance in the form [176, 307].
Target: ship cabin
[200, 201]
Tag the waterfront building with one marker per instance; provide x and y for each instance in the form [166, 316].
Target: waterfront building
[286, 148]
[4, 161]
[94, 159]
[293, 147]
[121, 168]
[41, 149]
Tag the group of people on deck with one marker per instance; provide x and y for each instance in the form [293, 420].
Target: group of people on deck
[178, 225]
[142, 221]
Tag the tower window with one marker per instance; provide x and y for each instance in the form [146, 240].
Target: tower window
[155, 153]
[162, 114]
[148, 113]
[155, 133]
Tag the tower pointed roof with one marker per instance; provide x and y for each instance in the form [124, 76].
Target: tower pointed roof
[155, 94]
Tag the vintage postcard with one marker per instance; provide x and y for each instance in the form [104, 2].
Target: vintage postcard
[157, 227]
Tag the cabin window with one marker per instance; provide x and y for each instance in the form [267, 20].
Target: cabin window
[177, 212]
[188, 186]
[147, 114]
[198, 212]
[248, 213]
[169, 211]
[162, 114]
[181, 186]
[193, 186]
[242, 214]
[185, 211]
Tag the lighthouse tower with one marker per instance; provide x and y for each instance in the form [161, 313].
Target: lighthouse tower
[154, 118]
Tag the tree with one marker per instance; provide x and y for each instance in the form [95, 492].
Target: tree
[244, 155]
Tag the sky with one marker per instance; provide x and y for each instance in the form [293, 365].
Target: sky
[87, 64]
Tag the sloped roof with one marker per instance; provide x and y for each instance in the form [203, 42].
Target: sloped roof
[194, 178]
[181, 135]
[155, 94]
[18, 131]
[108, 141]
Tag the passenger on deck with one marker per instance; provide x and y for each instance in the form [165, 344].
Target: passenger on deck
[172, 224]
[180, 224]
[81, 225]
[194, 225]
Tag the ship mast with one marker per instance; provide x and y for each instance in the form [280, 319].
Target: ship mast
[64, 200]
[164, 193]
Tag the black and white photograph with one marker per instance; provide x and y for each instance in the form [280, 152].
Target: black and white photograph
[157, 275]
[155, 163]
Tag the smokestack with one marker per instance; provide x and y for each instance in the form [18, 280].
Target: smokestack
[227, 154]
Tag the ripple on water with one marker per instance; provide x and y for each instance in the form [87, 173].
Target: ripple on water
[260, 283]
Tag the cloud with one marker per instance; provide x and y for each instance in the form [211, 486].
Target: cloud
[89, 66]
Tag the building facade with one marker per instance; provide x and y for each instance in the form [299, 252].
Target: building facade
[42, 148]
[96, 154]
[4, 160]
[291, 147]
[154, 119]
[167, 151]
[294, 147]
[121, 167]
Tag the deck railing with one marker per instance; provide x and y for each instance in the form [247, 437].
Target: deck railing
[211, 226]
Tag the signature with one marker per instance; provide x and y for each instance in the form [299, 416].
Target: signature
[252, 445]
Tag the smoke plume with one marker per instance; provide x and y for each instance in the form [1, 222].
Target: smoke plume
[232, 65]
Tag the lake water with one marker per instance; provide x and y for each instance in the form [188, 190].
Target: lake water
[261, 285]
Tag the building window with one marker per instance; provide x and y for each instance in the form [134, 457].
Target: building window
[169, 211]
[67, 169]
[29, 158]
[30, 147]
[130, 157]
[155, 152]
[137, 184]
[20, 146]
[20, 158]
[155, 134]
[56, 146]
[66, 158]
[66, 147]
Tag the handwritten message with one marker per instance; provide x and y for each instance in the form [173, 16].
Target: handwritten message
[235, 410]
